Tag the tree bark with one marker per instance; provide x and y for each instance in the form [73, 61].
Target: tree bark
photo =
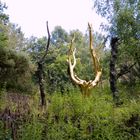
[113, 72]
[41, 83]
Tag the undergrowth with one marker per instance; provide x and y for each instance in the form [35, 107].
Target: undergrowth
[70, 117]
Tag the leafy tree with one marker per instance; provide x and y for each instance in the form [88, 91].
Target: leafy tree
[15, 66]
[4, 18]
[35, 47]
[3, 37]
[15, 70]
[16, 39]
[123, 17]
[10, 33]
[59, 36]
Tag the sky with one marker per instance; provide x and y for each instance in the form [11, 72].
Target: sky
[32, 15]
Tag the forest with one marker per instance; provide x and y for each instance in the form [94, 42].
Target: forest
[70, 85]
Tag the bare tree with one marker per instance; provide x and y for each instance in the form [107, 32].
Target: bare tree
[113, 72]
[85, 86]
[40, 70]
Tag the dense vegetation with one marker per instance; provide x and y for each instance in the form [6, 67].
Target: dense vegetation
[68, 115]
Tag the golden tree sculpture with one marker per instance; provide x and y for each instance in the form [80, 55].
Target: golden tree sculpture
[85, 86]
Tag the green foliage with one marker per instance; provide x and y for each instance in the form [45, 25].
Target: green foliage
[73, 117]
[32, 130]
[16, 38]
[68, 115]
[59, 36]
[36, 47]
[3, 17]
[124, 18]
[56, 74]
[3, 37]
[15, 70]
[15, 66]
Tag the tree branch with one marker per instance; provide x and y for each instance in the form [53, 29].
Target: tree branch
[122, 72]
[47, 45]
[85, 85]
[96, 64]
[72, 66]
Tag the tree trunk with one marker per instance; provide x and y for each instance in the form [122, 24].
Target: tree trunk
[41, 83]
[113, 73]
[86, 92]
[40, 70]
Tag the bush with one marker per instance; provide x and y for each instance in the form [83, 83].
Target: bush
[15, 70]
[73, 117]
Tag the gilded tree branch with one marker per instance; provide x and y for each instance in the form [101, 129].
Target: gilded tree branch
[85, 85]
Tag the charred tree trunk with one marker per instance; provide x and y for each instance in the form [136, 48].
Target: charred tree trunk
[113, 72]
[41, 83]
[40, 70]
